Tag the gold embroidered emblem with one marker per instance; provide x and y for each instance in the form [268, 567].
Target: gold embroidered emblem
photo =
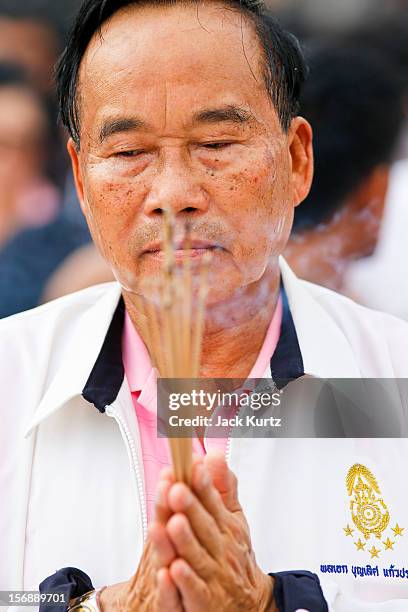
[388, 544]
[374, 552]
[359, 544]
[398, 530]
[369, 512]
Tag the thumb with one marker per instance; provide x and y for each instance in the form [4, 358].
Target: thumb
[223, 480]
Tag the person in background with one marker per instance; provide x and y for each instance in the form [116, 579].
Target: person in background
[83, 268]
[40, 227]
[388, 262]
[353, 99]
[388, 37]
[27, 194]
[32, 35]
[30, 259]
[35, 235]
[29, 38]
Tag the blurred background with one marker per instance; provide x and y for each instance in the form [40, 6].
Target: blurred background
[349, 235]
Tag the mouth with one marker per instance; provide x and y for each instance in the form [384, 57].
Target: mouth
[193, 249]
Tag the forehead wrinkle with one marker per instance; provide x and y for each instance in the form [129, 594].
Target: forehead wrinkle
[228, 17]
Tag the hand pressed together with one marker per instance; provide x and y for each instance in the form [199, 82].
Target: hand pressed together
[198, 551]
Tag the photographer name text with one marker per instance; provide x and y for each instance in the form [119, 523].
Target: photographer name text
[219, 421]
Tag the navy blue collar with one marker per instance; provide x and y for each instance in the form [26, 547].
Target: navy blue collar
[287, 360]
[107, 375]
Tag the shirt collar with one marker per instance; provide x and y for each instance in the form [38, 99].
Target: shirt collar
[323, 324]
[136, 358]
[106, 377]
[92, 335]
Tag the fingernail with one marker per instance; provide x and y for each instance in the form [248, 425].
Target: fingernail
[185, 570]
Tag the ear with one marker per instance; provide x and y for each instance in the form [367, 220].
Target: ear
[74, 154]
[301, 157]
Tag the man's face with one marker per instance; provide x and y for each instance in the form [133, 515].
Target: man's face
[174, 113]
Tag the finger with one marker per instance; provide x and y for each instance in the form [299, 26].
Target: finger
[188, 547]
[224, 480]
[204, 526]
[162, 509]
[194, 592]
[167, 474]
[166, 479]
[207, 494]
[197, 459]
[168, 597]
[163, 549]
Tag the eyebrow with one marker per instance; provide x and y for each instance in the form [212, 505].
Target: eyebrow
[117, 126]
[227, 114]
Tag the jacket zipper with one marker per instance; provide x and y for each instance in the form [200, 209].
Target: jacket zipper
[229, 439]
[228, 450]
[125, 431]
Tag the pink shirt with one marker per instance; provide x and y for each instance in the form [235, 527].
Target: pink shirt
[142, 382]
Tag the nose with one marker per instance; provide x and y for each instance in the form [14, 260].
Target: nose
[176, 186]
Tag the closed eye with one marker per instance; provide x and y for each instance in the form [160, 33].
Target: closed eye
[216, 145]
[132, 153]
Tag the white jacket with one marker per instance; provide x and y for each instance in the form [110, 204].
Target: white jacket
[71, 479]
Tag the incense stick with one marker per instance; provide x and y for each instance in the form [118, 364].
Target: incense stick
[173, 335]
[187, 307]
[199, 324]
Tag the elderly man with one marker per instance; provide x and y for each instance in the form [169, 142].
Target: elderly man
[192, 106]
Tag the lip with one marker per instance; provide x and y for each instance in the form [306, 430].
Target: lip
[181, 247]
[180, 255]
[192, 249]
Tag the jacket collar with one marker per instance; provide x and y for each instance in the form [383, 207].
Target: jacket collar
[325, 349]
[92, 365]
[79, 355]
